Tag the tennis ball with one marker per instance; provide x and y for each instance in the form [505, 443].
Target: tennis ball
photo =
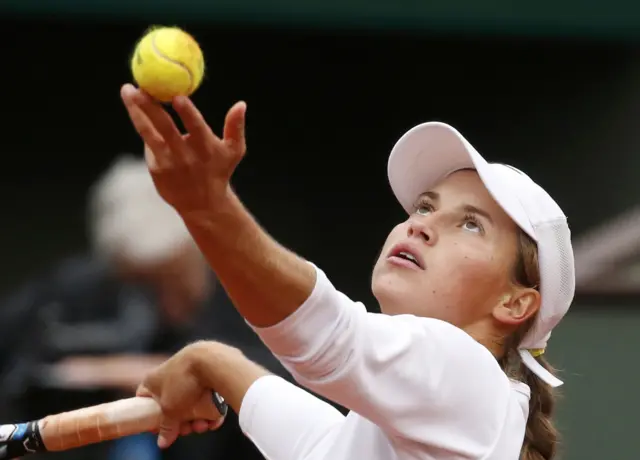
[167, 62]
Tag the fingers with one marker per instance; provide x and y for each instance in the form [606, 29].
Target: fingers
[201, 137]
[169, 431]
[234, 128]
[165, 146]
[160, 119]
[200, 426]
[155, 126]
[214, 425]
[186, 429]
[141, 122]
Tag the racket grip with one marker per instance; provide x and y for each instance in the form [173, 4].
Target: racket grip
[113, 420]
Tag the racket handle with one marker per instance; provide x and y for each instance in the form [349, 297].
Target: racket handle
[94, 424]
[99, 423]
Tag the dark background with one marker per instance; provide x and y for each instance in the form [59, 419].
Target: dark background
[325, 106]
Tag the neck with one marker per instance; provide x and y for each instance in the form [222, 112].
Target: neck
[492, 340]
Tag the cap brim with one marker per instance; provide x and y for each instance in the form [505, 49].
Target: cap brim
[429, 152]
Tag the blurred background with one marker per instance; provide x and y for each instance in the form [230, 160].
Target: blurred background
[550, 87]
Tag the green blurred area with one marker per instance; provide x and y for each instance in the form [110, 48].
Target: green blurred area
[595, 351]
[576, 18]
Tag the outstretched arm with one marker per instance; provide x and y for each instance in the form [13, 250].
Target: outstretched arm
[265, 281]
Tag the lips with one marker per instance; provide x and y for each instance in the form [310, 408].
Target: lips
[407, 256]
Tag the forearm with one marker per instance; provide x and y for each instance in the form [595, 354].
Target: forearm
[265, 281]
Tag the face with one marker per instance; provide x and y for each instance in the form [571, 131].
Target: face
[180, 283]
[452, 259]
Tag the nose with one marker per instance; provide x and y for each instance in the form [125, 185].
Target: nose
[420, 228]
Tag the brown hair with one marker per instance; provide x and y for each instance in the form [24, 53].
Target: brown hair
[541, 436]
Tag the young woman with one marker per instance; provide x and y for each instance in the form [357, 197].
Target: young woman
[470, 287]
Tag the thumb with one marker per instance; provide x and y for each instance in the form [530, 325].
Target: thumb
[143, 391]
[168, 432]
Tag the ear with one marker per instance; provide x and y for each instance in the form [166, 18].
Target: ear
[517, 306]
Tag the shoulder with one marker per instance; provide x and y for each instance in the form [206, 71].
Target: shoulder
[472, 391]
[441, 336]
[464, 361]
[444, 350]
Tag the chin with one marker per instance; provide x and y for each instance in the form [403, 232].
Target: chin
[391, 294]
[401, 296]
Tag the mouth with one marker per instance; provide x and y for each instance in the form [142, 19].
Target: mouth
[405, 256]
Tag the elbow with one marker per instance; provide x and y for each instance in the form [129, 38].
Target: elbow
[321, 341]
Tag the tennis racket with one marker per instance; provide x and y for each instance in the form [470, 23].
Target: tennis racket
[91, 425]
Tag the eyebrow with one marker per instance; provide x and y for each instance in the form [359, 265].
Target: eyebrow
[474, 210]
[470, 209]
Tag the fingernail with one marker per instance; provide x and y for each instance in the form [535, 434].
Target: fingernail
[128, 89]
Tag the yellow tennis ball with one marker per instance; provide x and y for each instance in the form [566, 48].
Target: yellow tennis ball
[167, 62]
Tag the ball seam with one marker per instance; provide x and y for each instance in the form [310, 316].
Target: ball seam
[173, 61]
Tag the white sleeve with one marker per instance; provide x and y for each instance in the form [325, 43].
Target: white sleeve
[285, 422]
[418, 378]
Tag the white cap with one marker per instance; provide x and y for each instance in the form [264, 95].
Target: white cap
[429, 152]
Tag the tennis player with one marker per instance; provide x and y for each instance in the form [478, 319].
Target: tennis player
[470, 286]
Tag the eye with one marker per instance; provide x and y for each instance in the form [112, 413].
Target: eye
[423, 207]
[472, 224]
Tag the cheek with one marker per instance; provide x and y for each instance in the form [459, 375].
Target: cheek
[475, 271]
[465, 280]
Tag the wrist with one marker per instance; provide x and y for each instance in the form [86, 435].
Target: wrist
[226, 206]
[209, 361]
[225, 370]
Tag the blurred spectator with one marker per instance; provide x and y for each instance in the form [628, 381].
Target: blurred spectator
[88, 332]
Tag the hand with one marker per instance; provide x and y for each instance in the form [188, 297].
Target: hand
[191, 171]
[186, 403]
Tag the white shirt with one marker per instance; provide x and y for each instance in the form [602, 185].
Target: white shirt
[417, 388]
